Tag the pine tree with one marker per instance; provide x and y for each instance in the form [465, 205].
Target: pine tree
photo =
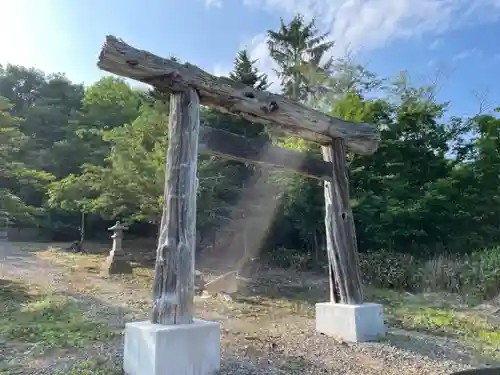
[299, 49]
[245, 72]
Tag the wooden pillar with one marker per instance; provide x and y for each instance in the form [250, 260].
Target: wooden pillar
[173, 286]
[340, 232]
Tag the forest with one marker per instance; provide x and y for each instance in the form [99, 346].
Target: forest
[432, 190]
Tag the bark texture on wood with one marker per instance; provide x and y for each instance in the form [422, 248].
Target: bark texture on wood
[232, 146]
[173, 286]
[232, 97]
[340, 232]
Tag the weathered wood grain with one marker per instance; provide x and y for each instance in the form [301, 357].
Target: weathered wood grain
[173, 286]
[232, 97]
[340, 232]
[235, 147]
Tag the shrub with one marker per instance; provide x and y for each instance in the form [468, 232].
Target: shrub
[483, 274]
[476, 275]
[386, 269]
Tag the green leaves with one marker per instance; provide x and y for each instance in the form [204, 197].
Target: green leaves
[130, 181]
[17, 180]
[294, 47]
[245, 72]
[432, 186]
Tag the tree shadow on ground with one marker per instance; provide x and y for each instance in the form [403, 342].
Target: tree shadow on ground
[108, 353]
[481, 371]
[141, 254]
[16, 252]
[266, 364]
[262, 291]
[13, 293]
[286, 285]
[304, 289]
[435, 347]
[12, 296]
[46, 332]
[251, 360]
[74, 330]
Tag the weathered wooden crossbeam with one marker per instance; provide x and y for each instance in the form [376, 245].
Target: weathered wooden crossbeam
[232, 146]
[232, 97]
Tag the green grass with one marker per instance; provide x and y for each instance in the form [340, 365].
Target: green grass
[470, 329]
[444, 315]
[29, 315]
[94, 367]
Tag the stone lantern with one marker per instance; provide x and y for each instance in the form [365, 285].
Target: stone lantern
[117, 262]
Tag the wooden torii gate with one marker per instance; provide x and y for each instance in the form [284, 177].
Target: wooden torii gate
[190, 86]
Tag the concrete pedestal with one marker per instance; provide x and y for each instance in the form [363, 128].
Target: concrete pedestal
[187, 349]
[352, 323]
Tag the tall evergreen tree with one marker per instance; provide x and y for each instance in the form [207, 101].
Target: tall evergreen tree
[299, 50]
[244, 71]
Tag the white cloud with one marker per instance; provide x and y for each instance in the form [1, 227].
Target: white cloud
[365, 25]
[435, 44]
[221, 70]
[468, 53]
[213, 3]
[258, 50]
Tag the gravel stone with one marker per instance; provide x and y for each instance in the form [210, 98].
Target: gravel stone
[256, 339]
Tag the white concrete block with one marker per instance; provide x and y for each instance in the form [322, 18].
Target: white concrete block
[183, 349]
[352, 323]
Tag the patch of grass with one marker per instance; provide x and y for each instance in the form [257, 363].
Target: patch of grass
[10, 371]
[9, 368]
[75, 261]
[469, 328]
[12, 292]
[50, 321]
[141, 277]
[95, 367]
[269, 306]
[439, 314]
[296, 365]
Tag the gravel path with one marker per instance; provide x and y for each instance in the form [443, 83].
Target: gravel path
[255, 340]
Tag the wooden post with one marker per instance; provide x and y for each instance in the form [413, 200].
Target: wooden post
[82, 229]
[340, 232]
[173, 286]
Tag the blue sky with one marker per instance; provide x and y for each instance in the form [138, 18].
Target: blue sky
[449, 39]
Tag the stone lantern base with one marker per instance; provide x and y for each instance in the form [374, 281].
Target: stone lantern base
[116, 264]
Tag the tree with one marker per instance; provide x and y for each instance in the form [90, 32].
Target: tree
[388, 190]
[295, 47]
[128, 184]
[432, 186]
[300, 53]
[47, 105]
[244, 71]
[17, 180]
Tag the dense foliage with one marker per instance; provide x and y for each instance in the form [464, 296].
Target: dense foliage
[433, 187]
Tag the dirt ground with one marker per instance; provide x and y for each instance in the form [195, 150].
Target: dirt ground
[59, 316]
